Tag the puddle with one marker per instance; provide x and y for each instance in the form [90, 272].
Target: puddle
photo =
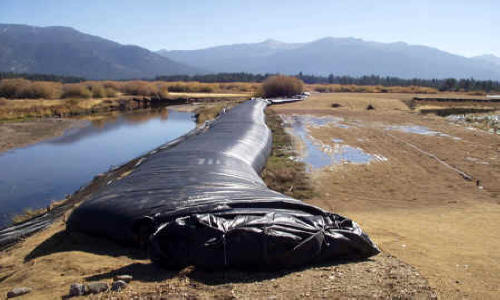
[318, 155]
[323, 121]
[417, 129]
[314, 156]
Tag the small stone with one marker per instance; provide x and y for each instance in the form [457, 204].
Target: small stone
[18, 292]
[76, 289]
[126, 278]
[118, 285]
[97, 287]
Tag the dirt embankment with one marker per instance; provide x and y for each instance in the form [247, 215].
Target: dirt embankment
[411, 204]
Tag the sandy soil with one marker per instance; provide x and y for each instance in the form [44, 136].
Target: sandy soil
[50, 261]
[20, 134]
[412, 205]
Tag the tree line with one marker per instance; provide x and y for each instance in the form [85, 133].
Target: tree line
[42, 77]
[448, 84]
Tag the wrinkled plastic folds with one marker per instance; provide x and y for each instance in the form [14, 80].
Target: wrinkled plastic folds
[202, 202]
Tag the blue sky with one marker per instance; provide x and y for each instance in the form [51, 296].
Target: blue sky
[462, 27]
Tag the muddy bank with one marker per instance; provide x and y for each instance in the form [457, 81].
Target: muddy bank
[20, 134]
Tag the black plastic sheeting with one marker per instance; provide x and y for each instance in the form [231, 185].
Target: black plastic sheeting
[202, 202]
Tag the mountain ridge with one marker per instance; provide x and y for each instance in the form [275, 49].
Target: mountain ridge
[64, 50]
[341, 56]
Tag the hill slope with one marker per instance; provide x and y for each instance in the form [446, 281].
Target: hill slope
[341, 56]
[66, 51]
[488, 59]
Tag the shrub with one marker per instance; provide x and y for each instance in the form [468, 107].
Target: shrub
[22, 88]
[140, 88]
[10, 88]
[45, 89]
[110, 92]
[322, 89]
[282, 86]
[206, 89]
[178, 88]
[115, 85]
[76, 90]
[98, 91]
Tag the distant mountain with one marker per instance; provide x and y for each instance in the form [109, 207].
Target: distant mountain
[232, 58]
[66, 51]
[341, 56]
[488, 59]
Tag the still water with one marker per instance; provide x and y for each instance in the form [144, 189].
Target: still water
[33, 176]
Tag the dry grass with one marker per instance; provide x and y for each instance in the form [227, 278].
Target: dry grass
[29, 213]
[22, 88]
[281, 173]
[208, 112]
[351, 88]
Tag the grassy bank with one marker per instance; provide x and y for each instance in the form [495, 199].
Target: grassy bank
[25, 109]
[281, 173]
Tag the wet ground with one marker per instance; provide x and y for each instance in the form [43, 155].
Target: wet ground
[412, 204]
[33, 176]
[317, 154]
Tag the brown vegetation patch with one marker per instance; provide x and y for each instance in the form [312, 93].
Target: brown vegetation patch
[282, 86]
[282, 173]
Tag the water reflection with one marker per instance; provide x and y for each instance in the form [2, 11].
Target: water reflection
[36, 175]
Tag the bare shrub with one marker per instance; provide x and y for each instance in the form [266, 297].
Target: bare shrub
[178, 87]
[22, 88]
[140, 88]
[98, 91]
[282, 86]
[76, 90]
[45, 90]
[110, 92]
[10, 88]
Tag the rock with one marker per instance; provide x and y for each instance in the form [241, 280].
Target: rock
[126, 278]
[77, 289]
[18, 292]
[97, 287]
[118, 285]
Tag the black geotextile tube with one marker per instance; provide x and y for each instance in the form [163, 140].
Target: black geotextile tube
[202, 202]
